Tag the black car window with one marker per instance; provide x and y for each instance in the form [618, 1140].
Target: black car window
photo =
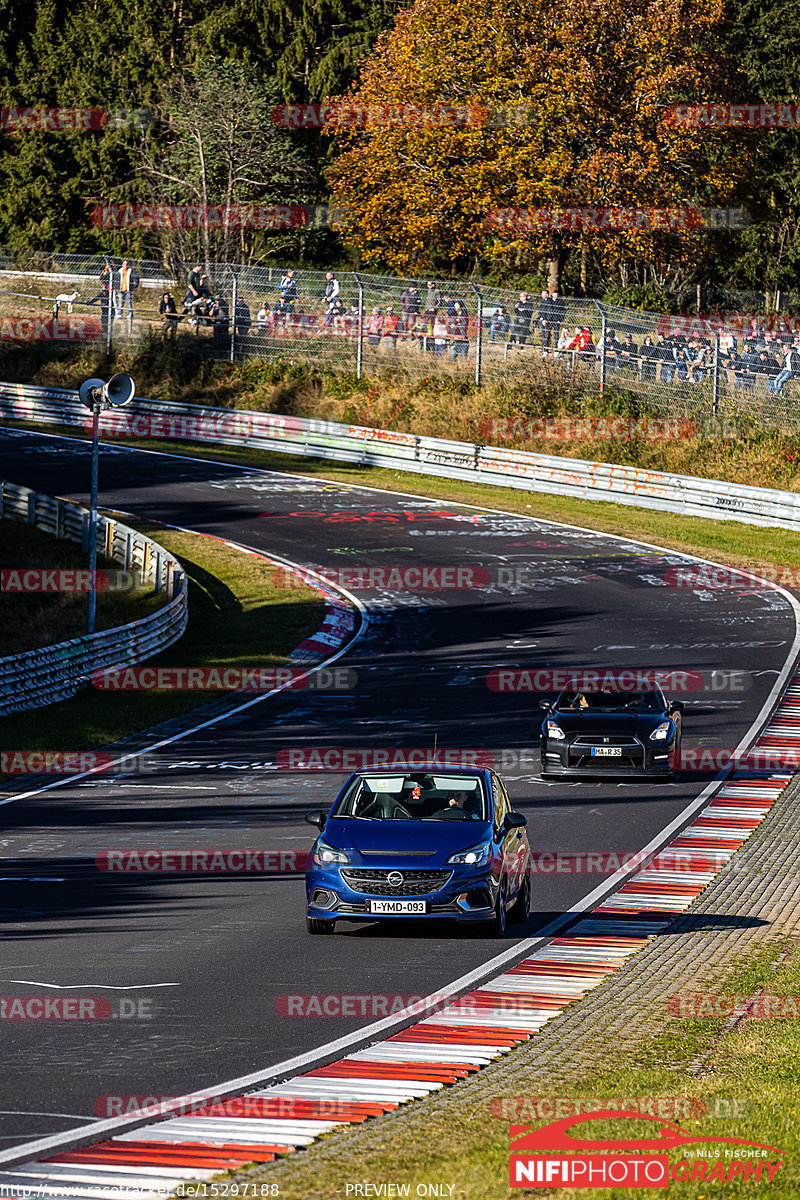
[413, 797]
[611, 701]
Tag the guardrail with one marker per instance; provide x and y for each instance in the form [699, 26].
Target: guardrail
[52, 673]
[501, 466]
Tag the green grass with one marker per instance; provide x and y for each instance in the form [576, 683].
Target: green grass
[239, 616]
[32, 619]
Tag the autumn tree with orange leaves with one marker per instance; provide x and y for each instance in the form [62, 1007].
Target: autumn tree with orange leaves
[595, 78]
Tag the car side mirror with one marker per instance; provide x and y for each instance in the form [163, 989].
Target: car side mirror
[514, 820]
[315, 817]
[546, 705]
[677, 706]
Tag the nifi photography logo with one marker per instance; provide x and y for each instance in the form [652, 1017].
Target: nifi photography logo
[548, 1156]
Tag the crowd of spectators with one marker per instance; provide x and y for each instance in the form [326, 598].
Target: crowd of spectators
[436, 322]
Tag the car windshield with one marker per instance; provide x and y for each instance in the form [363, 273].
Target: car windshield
[610, 701]
[414, 797]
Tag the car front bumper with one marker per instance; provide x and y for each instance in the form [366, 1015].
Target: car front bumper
[467, 897]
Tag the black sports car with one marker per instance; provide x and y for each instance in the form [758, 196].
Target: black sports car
[611, 732]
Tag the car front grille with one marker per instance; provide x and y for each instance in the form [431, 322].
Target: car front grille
[588, 739]
[374, 882]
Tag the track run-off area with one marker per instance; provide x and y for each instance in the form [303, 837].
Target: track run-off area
[195, 968]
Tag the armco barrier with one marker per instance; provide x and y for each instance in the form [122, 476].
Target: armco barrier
[52, 673]
[501, 466]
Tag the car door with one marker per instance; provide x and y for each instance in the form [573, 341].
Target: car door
[512, 850]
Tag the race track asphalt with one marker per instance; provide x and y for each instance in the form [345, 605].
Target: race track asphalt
[204, 959]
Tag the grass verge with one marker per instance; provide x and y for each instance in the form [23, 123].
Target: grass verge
[32, 619]
[238, 617]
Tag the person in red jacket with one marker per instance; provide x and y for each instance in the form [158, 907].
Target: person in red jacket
[391, 327]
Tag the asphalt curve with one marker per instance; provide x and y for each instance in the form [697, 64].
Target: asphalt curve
[203, 961]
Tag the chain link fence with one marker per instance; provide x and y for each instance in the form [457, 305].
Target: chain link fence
[702, 369]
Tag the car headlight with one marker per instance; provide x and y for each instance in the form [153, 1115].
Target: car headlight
[324, 854]
[476, 856]
[661, 732]
[554, 731]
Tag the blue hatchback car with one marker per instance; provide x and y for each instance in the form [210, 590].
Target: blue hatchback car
[433, 842]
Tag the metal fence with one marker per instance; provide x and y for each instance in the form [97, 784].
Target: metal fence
[501, 466]
[679, 366]
[52, 673]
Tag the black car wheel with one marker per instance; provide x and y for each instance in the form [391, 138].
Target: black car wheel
[317, 925]
[497, 925]
[521, 909]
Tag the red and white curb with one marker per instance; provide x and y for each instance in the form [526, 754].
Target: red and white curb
[153, 1159]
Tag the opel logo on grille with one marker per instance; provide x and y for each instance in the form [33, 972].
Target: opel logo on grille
[395, 878]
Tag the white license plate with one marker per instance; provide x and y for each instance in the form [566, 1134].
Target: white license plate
[398, 906]
[607, 751]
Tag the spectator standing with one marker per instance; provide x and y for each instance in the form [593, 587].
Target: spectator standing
[332, 290]
[558, 315]
[628, 356]
[122, 291]
[287, 296]
[546, 320]
[409, 306]
[521, 325]
[457, 329]
[666, 356]
[169, 311]
[433, 302]
[499, 323]
[649, 358]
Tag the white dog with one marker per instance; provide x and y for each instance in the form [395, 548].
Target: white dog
[64, 299]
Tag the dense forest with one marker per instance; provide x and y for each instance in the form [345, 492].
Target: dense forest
[191, 89]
